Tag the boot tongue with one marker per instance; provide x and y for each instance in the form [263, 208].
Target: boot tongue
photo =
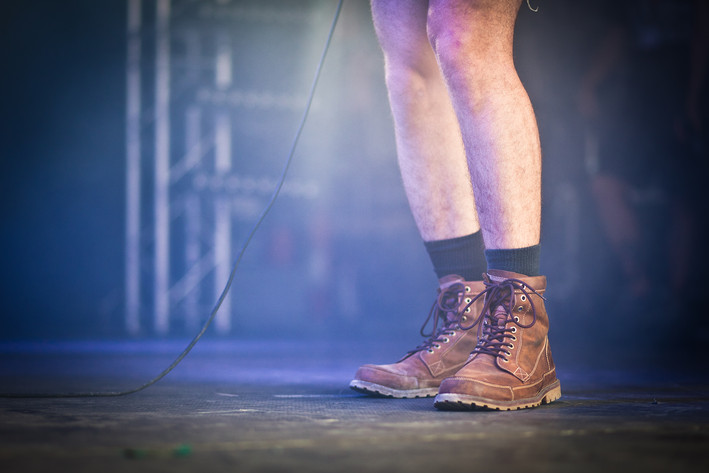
[447, 281]
[498, 275]
[499, 317]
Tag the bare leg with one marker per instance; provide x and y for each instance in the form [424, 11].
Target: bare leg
[429, 144]
[472, 40]
[511, 367]
[500, 140]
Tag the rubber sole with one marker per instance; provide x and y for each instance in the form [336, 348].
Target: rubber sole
[378, 390]
[464, 402]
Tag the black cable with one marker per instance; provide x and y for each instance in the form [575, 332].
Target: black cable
[225, 291]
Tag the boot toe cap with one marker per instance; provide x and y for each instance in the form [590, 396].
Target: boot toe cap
[387, 375]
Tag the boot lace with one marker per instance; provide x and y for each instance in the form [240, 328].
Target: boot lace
[494, 329]
[447, 311]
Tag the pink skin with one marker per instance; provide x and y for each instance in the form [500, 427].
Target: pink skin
[456, 100]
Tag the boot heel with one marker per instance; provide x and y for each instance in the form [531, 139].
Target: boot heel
[552, 395]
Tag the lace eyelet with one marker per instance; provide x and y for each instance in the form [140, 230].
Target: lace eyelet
[516, 319]
[430, 351]
[505, 360]
[512, 346]
[464, 318]
[514, 339]
[446, 340]
[467, 288]
[468, 300]
[467, 310]
[520, 309]
[508, 353]
[436, 346]
[513, 329]
[523, 298]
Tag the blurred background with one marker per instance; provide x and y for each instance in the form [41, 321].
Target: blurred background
[140, 141]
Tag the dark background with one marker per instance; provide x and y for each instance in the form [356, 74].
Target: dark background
[62, 152]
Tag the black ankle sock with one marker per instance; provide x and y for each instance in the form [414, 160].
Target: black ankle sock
[519, 260]
[463, 256]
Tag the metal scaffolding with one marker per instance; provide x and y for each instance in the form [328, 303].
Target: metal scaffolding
[133, 168]
[179, 144]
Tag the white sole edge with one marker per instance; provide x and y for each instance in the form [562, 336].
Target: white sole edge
[383, 391]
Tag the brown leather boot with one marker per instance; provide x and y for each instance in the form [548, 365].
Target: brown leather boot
[420, 371]
[511, 366]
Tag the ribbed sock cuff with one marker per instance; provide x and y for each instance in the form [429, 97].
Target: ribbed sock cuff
[519, 260]
[462, 255]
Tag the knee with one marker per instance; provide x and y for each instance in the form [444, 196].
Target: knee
[400, 26]
[407, 83]
[447, 39]
[411, 69]
[476, 35]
